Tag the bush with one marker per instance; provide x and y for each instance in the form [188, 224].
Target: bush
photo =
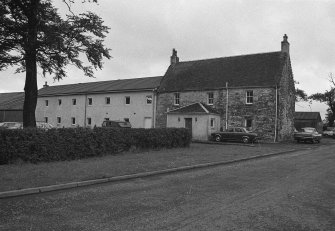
[35, 145]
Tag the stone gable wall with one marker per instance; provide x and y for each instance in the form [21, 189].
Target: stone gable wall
[286, 103]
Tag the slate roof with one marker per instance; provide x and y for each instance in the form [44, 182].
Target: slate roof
[11, 101]
[302, 115]
[197, 108]
[254, 70]
[136, 84]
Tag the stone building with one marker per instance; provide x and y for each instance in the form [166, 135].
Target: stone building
[255, 90]
[89, 104]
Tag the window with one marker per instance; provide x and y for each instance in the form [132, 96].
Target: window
[149, 99]
[126, 119]
[59, 102]
[106, 119]
[74, 101]
[90, 101]
[107, 100]
[212, 122]
[59, 120]
[89, 121]
[46, 119]
[248, 123]
[46, 102]
[210, 96]
[73, 120]
[250, 97]
[127, 99]
[176, 99]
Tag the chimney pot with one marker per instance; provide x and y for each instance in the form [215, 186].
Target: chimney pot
[46, 84]
[174, 58]
[285, 45]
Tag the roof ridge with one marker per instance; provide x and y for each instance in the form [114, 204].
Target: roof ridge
[71, 84]
[233, 56]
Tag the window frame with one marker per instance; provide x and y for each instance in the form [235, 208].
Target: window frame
[89, 121]
[59, 120]
[73, 119]
[126, 99]
[74, 102]
[176, 100]
[90, 101]
[46, 103]
[148, 98]
[46, 119]
[212, 122]
[59, 102]
[249, 98]
[210, 100]
[107, 100]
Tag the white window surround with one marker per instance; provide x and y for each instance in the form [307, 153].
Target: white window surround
[73, 120]
[59, 120]
[176, 99]
[127, 100]
[90, 101]
[148, 99]
[210, 98]
[107, 100]
[212, 123]
[249, 99]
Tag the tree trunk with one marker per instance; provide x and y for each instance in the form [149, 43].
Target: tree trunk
[30, 88]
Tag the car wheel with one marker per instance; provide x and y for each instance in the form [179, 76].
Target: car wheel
[245, 140]
[217, 138]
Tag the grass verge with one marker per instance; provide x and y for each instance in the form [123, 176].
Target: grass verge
[27, 175]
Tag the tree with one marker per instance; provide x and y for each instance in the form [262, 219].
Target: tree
[328, 97]
[300, 95]
[33, 34]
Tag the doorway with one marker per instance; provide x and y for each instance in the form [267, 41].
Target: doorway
[188, 124]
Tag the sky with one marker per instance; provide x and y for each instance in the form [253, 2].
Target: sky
[144, 32]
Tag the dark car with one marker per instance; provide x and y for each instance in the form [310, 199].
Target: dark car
[235, 134]
[307, 134]
[116, 124]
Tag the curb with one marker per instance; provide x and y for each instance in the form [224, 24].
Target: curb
[50, 188]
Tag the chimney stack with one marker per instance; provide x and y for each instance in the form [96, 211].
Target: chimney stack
[285, 45]
[46, 84]
[174, 57]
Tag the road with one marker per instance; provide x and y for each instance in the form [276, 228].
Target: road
[295, 191]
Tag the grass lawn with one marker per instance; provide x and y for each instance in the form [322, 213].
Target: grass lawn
[26, 175]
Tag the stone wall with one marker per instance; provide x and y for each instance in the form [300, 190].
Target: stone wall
[286, 103]
[261, 112]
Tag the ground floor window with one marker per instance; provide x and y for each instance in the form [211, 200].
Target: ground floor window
[248, 123]
[89, 121]
[212, 122]
[73, 120]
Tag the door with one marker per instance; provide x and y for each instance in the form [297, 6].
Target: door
[147, 122]
[188, 124]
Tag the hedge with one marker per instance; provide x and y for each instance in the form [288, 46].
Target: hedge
[36, 145]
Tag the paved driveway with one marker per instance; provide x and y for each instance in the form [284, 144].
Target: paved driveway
[290, 192]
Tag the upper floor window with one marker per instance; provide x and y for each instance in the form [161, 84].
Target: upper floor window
[74, 101]
[108, 100]
[127, 99]
[90, 101]
[250, 97]
[149, 99]
[46, 102]
[176, 98]
[210, 96]
[59, 102]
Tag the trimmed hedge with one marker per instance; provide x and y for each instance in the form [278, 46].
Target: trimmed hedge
[36, 145]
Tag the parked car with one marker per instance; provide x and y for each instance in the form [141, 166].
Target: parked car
[329, 132]
[116, 124]
[235, 134]
[11, 125]
[44, 125]
[307, 134]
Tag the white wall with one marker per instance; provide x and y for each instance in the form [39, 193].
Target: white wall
[136, 111]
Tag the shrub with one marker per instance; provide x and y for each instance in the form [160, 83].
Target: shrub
[35, 145]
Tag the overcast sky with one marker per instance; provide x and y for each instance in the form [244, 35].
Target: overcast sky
[143, 33]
